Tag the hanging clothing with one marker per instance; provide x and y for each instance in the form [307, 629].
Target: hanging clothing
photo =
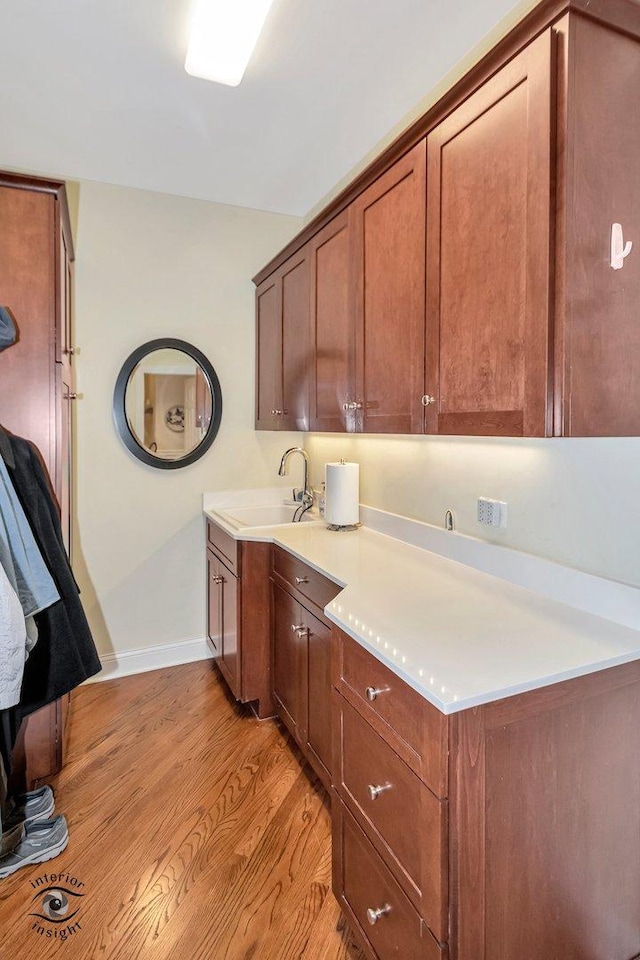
[19, 553]
[8, 332]
[65, 654]
[13, 639]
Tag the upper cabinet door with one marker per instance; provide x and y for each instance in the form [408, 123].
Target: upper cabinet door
[488, 256]
[295, 343]
[268, 354]
[282, 347]
[600, 187]
[388, 271]
[332, 370]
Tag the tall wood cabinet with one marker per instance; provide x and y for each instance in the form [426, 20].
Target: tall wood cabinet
[36, 379]
[515, 322]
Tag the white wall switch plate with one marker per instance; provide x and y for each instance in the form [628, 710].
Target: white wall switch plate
[492, 512]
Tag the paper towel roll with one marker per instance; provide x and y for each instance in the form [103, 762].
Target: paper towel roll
[342, 494]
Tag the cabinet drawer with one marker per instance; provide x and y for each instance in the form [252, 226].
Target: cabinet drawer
[304, 579]
[385, 796]
[415, 729]
[223, 544]
[363, 883]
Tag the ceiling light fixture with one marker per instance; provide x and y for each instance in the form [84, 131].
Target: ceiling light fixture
[223, 36]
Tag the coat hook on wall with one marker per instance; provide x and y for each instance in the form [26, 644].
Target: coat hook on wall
[619, 249]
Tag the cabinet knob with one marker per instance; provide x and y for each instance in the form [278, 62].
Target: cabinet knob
[352, 405]
[302, 579]
[72, 396]
[373, 915]
[427, 400]
[374, 792]
[372, 693]
[276, 413]
[218, 579]
[300, 629]
[70, 351]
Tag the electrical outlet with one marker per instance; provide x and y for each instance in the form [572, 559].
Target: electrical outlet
[492, 512]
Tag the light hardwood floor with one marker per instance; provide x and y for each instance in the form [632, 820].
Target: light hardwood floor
[195, 829]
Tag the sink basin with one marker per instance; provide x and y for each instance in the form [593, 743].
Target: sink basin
[268, 515]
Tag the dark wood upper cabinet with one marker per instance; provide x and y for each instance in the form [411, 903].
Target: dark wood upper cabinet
[332, 367]
[268, 354]
[488, 253]
[598, 331]
[388, 276]
[282, 347]
[513, 322]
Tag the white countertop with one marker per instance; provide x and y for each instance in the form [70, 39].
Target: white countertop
[459, 636]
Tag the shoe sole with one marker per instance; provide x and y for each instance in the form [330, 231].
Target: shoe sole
[36, 857]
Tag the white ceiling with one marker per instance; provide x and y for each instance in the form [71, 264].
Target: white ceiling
[96, 89]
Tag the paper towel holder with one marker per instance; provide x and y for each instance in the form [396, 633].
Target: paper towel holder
[343, 527]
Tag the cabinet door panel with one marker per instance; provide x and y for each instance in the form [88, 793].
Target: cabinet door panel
[319, 673]
[602, 339]
[295, 344]
[488, 256]
[389, 276]
[230, 655]
[332, 328]
[268, 354]
[214, 605]
[290, 661]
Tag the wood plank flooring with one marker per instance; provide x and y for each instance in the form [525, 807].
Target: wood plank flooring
[195, 829]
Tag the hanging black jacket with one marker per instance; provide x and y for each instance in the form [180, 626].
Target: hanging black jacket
[65, 654]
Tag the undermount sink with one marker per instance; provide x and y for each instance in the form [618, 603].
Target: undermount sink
[267, 515]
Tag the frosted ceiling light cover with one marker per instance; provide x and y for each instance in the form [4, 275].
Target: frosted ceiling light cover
[223, 35]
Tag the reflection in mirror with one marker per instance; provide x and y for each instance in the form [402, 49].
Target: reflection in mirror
[167, 403]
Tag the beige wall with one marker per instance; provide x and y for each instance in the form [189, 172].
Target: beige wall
[150, 265]
[572, 501]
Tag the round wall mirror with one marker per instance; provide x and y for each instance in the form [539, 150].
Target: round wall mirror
[167, 403]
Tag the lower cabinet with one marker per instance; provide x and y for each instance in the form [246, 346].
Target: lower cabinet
[372, 900]
[302, 657]
[390, 810]
[509, 830]
[238, 616]
[505, 831]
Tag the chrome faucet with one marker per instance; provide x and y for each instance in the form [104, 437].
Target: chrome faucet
[304, 496]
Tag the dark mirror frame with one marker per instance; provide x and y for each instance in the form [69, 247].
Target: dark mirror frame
[119, 408]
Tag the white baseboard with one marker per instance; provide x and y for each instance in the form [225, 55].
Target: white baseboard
[127, 663]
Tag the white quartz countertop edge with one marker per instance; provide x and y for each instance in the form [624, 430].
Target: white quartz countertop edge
[461, 637]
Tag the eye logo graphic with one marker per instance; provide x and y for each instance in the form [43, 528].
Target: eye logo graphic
[55, 904]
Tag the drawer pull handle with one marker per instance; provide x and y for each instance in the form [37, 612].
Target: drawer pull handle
[372, 693]
[302, 579]
[374, 792]
[374, 915]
